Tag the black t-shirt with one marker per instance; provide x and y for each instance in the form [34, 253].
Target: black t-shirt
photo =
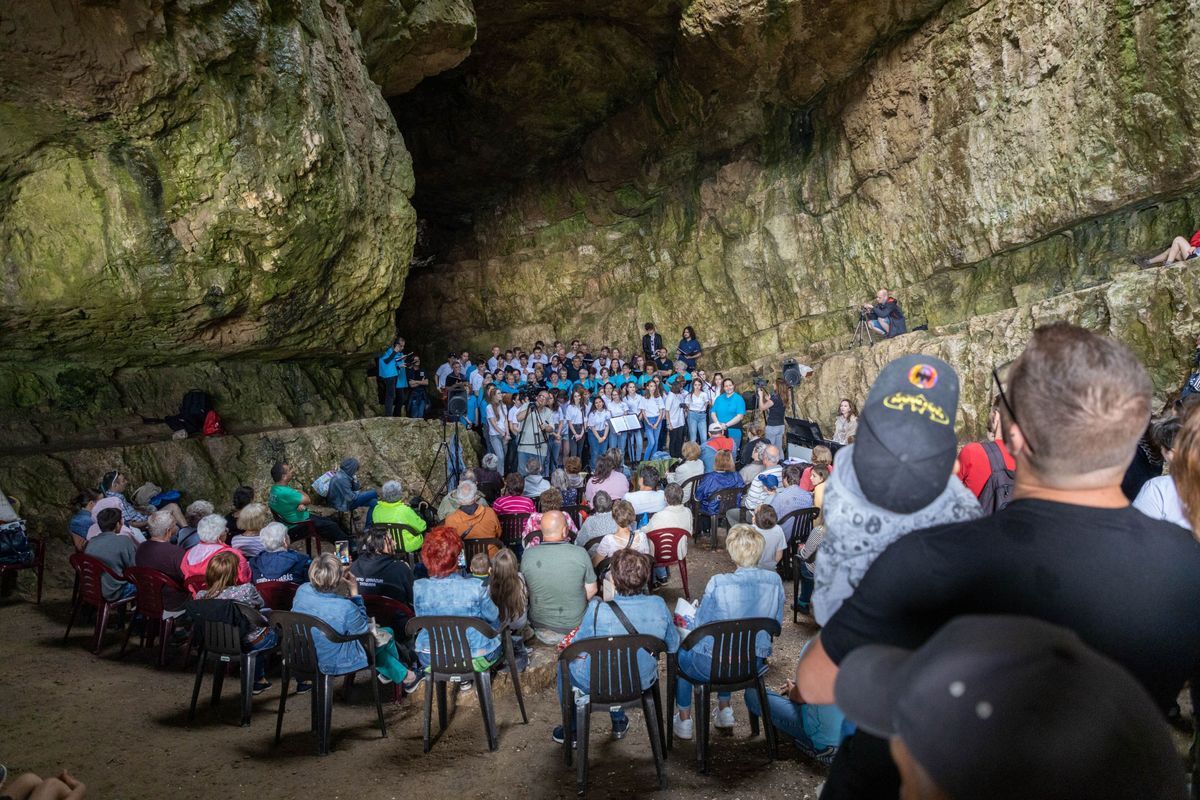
[664, 364]
[415, 374]
[775, 412]
[453, 380]
[1126, 584]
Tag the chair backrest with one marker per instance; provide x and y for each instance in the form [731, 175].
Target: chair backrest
[397, 530]
[728, 499]
[296, 640]
[90, 569]
[150, 584]
[512, 528]
[665, 542]
[576, 513]
[194, 583]
[689, 491]
[733, 647]
[490, 490]
[384, 609]
[613, 675]
[222, 623]
[801, 521]
[277, 595]
[449, 646]
[471, 547]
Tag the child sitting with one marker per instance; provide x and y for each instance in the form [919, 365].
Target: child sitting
[481, 568]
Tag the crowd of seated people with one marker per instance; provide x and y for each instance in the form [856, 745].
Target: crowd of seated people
[900, 547]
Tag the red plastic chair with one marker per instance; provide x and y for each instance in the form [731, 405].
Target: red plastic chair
[384, 609]
[194, 583]
[277, 595]
[306, 529]
[38, 563]
[150, 585]
[88, 570]
[666, 543]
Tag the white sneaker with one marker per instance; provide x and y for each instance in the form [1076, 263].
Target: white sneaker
[682, 727]
[723, 718]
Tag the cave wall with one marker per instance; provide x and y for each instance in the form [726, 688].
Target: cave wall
[1003, 153]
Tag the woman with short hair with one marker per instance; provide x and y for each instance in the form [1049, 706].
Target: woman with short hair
[690, 468]
[251, 519]
[631, 611]
[325, 597]
[446, 592]
[513, 500]
[623, 538]
[211, 532]
[746, 593]
[277, 562]
[722, 477]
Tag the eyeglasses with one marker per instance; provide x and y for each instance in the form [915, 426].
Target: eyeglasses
[1000, 376]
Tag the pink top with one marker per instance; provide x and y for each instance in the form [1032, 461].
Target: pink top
[616, 484]
[513, 504]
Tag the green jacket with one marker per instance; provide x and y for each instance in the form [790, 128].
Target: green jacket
[400, 513]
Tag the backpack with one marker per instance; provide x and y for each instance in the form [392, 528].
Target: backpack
[194, 408]
[321, 484]
[998, 489]
[212, 424]
[14, 544]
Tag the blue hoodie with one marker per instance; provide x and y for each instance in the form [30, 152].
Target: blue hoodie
[280, 565]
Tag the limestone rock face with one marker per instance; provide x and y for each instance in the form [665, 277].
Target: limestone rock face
[191, 177]
[406, 41]
[986, 156]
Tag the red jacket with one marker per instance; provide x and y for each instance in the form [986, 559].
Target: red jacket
[195, 561]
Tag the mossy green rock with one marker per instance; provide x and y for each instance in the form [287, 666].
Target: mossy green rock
[216, 178]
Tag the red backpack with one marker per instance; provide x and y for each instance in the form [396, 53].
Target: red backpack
[212, 424]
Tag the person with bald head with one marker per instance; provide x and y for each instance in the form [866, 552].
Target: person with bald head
[761, 488]
[560, 578]
[885, 316]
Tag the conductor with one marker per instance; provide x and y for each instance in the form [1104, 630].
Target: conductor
[885, 316]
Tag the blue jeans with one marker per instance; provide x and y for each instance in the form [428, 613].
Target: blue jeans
[696, 426]
[775, 435]
[496, 446]
[807, 583]
[368, 499]
[817, 727]
[266, 643]
[418, 401]
[616, 716]
[594, 445]
[617, 440]
[736, 435]
[696, 668]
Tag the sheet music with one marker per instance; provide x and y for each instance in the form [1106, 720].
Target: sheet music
[626, 423]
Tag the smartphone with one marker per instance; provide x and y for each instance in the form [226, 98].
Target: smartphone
[342, 550]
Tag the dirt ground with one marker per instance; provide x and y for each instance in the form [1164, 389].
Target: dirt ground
[121, 727]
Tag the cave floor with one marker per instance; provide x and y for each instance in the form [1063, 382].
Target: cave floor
[121, 727]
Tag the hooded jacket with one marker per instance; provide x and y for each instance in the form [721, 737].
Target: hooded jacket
[195, 561]
[343, 487]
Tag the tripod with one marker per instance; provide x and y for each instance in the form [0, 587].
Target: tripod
[539, 441]
[864, 331]
[453, 450]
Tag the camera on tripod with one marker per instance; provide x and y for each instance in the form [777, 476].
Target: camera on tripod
[761, 383]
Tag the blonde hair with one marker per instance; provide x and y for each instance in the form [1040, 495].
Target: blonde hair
[220, 573]
[745, 545]
[691, 451]
[723, 462]
[822, 455]
[253, 517]
[325, 573]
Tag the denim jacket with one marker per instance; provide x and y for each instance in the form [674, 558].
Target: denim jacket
[649, 615]
[456, 596]
[346, 615]
[342, 490]
[742, 594]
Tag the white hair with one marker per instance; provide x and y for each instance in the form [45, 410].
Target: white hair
[391, 492]
[771, 455]
[211, 528]
[160, 523]
[198, 509]
[274, 537]
[490, 461]
[466, 493]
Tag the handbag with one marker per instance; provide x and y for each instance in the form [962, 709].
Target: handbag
[14, 544]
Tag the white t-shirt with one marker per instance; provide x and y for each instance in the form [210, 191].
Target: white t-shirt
[698, 402]
[476, 380]
[1159, 499]
[675, 415]
[615, 407]
[652, 406]
[610, 544]
[646, 502]
[775, 541]
[493, 363]
[573, 415]
[598, 420]
[496, 423]
[513, 422]
[442, 372]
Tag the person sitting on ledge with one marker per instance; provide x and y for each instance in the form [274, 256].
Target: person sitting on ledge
[1181, 249]
[345, 492]
[114, 484]
[291, 505]
[885, 316]
[276, 562]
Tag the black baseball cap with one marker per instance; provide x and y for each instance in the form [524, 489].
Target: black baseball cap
[1014, 708]
[905, 446]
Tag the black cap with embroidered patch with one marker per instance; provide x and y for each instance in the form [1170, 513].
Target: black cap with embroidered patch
[905, 446]
[1005, 707]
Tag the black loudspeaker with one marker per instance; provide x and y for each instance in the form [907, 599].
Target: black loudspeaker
[456, 402]
[791, 373]
[751, 400]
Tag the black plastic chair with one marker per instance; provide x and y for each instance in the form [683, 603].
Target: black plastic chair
[512, 529]
[576, 512]
[733, 668]
[450, 660]
[220, 633]
[300, 661]
[472, 547]
[802, 525]
[796, 525]
[397, 530]
[615, 681]
[727, 500]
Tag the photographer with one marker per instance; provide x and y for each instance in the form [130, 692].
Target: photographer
[885, 317]
[534, 426]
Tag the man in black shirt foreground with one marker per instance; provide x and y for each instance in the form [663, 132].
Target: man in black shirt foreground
[1068, 549]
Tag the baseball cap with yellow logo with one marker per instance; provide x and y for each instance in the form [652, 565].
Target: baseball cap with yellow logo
[905, 447]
